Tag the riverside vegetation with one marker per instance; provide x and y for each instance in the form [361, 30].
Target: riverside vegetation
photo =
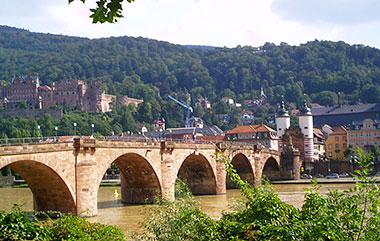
[353, 214]
[260, 214]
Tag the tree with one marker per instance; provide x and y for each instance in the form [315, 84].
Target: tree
[349, 152]
[375, 151]
[106, 10]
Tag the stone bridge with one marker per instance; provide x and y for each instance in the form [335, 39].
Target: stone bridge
[66, 176]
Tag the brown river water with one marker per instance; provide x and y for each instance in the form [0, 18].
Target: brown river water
[112, 212]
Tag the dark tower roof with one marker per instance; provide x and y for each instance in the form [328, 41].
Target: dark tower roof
[305, 110]
[282, 111]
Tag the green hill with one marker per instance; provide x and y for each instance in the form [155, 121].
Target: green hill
[144, 68]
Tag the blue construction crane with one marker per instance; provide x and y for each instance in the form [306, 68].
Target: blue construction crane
[187, 107]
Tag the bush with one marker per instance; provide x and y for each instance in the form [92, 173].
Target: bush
[18, 225]
[260, 214]
[180, 220]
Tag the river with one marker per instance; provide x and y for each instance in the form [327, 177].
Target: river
[112, 212]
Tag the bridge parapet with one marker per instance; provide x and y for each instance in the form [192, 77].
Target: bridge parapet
[32, 148]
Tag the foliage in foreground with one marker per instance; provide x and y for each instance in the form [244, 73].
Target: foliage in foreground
[260, 215]
[17, 225]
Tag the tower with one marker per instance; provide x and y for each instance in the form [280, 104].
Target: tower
[306, 126]
[282, 122]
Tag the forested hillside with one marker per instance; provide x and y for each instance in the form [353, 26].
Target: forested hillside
[143, 68]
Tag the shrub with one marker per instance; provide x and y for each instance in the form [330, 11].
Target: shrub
[18, 225]
[260, 214]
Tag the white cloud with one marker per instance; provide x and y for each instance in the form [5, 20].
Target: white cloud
[342, 12]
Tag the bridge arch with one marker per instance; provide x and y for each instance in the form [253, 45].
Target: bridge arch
[271, 169]
[198, 173]
[244, 168]
[50, 190]
[139, 180]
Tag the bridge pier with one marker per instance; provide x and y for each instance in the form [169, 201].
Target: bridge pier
[221, 187]
[167, 180]
[86, 189]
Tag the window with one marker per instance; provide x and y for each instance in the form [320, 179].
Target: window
[336, 138]
[330, 146]
[330, 154]
[305, 127]
[344, 145]
[336, 146]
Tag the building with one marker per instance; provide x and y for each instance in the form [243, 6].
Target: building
[254, 134]
[24, 88]
[196, 122]
[282, 123]
[319, 144]
[76, 93]
[225, 118]
[336, 143]
[301, 138]
[364, 134]
[247, 117]
[344, 114]
[204, 103]
[212, 133]
[159, 125]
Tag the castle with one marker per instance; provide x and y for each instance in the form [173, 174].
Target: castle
[76, 93]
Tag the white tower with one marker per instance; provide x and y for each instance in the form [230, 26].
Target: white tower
[306, 126]
[282, 120]
[282, 123]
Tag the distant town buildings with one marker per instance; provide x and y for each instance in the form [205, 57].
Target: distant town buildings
[344, 114]
[254, 134]
[364, 134]
[336, 143]
[87, 96]
[190, 134]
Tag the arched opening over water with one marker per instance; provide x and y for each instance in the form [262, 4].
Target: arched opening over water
[271, 170]
[50, 192]
[243, 168]
[197, 172]
[139, 181]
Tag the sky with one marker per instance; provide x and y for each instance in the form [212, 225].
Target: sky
[220, 23]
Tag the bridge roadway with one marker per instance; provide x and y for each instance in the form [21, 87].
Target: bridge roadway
[65, 176]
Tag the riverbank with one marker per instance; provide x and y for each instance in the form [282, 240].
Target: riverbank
[321, 181]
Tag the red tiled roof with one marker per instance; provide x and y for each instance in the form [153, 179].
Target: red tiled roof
[294, 112]
[250, 128]
[339, 130]
[45, 87]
